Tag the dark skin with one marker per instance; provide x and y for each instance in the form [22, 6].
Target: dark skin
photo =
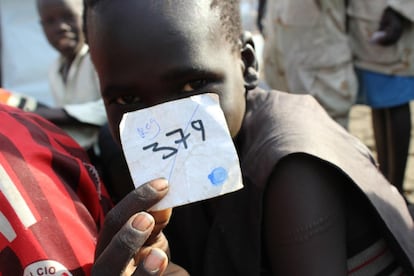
[174, 51]
[130, 240]
[260, 14]
[392, 132]
[392, 24]
[62, 24]
[179, 75]
[392, 126]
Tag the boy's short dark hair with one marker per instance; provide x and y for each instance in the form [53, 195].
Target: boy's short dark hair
[230, 17]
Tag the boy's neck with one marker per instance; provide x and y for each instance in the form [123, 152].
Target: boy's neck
[64, 69]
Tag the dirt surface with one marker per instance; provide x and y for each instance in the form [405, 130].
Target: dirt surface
[360, 126]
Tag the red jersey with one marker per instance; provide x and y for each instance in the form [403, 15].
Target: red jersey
[51, 199]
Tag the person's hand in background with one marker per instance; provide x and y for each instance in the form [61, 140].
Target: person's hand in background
[391, 28]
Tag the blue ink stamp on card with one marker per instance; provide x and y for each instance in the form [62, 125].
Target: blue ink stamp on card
[150, 130]
[218, 176]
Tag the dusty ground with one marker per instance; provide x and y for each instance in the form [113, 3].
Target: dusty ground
[360, 126]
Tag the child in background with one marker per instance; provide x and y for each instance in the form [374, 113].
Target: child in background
[314, 202]
[73, 79]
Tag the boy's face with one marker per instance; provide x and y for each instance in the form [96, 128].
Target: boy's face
[62, 23]
[151, 51]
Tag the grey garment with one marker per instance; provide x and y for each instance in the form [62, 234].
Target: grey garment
[364, 20]
[280, 137]
[405, 7]
[80, 97]
[276, 125]
[306, 51]
[303, 131]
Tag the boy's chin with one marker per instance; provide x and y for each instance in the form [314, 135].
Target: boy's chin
[67, 47]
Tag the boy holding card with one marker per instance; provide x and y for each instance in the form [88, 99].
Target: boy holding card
[313, 201]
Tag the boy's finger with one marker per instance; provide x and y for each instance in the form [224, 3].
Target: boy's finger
[119, 253]
[154, 263]
[142, 198]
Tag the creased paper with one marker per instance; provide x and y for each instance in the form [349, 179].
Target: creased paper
[185, 141]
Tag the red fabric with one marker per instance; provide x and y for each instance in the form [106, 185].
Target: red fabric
[50, 196]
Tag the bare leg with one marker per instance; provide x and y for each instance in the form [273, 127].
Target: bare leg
[399, 143]
[380, 134]
[392, 130]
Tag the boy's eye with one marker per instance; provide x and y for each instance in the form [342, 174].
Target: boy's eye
[68, 18]
[125, 100]
[48, 21]
[194, 85]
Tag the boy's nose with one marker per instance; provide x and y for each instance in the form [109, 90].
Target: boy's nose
[62, 25]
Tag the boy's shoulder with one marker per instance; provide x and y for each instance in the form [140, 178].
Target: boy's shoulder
[277, 124]
[279, 107]
[260, 96]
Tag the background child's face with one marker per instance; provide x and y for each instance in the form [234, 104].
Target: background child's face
[148, 52]
[62, 23]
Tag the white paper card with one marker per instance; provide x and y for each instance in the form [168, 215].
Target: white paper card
[186, 141]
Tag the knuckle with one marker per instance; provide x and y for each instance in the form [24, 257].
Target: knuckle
[130, 239]
[112, 218]
[145, 195]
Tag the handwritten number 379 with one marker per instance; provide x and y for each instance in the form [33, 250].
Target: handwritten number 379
[171, 151]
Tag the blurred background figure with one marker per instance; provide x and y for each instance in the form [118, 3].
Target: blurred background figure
[382, 39]
[306, 51]
[26, 56]
[73, 80]
[337, 49]
[73, 102]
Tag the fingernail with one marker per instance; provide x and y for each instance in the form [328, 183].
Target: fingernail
[159, 184]
[154, 261]
[142, 221]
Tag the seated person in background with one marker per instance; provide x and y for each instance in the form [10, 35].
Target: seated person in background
[313, 202]
[74, 83]
[52, 206]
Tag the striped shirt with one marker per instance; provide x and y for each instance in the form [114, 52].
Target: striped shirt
[51, 199]
[375, 260]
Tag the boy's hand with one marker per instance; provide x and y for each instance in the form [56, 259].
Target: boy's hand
[391, 28]
[131, 242]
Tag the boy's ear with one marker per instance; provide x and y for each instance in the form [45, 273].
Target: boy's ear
[249, 59]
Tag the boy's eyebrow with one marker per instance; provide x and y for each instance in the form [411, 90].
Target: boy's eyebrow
[173, 75]
[112, 89]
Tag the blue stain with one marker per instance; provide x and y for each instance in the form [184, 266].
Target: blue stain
[218, 176]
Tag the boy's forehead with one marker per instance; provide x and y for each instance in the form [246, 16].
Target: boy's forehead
[150, 21]
[72, 2]
[75, 4]
[155, 39]
[159, 11]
